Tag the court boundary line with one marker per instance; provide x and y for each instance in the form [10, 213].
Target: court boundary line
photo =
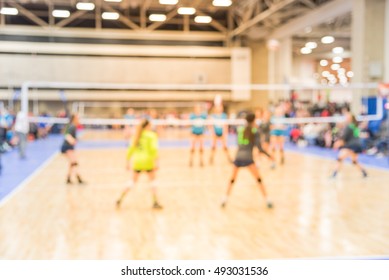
[27, 180]
[334, 159]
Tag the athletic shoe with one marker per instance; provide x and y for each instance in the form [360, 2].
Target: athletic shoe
[80, 181]
[273, 166]
[118, 203]
[157, 206]
[364, 173]
[69, 182]
[269, 205]
[334, 174]
[223, 205]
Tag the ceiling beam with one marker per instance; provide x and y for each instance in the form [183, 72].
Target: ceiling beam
[315, 17]
[262, 16]
[122, 18]
[68, 20]
[214, 23]
[156, 25]
[29, 15]
[308, 3]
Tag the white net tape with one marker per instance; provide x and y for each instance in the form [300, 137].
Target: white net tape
[197, 87]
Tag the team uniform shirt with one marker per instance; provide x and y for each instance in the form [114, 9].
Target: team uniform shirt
[350, 137]
[264, 129]
[145, 153]
[71, 130]
[129, 117]
[218, 128]
[244, 155]
[278, 128]
[198, 125]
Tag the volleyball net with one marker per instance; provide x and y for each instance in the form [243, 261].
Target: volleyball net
[317, 98]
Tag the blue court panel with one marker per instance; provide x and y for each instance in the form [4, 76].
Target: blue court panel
[15, 170]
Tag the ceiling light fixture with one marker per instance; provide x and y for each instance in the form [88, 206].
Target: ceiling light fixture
[61, 13]
[203, 19]
[186, 11]
[157, 17]
[168, 2]
[84, 6]
[222, 3]
[110, 16]
[9, 11]
[327, 40]
[305, 50]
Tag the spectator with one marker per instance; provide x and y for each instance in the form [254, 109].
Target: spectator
[22, 129]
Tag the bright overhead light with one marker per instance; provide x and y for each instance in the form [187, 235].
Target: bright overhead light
[311, 45]
[84, 6]
[110, 15]
[115, 1]
[61, 13]
[337, 59]
[168, 2]
[335, 67]
[325, 73]
[157, 17]
[186, 11]
[341, 71]
[323, 63]
[203, 19]
[305, 50]
[350, 74]
[9, 11]
[222, 3]
[338, 50]
[327, 40]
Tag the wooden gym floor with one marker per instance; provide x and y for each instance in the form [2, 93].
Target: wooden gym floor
[314, 216]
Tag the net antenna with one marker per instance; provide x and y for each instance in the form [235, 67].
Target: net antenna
[27, 86]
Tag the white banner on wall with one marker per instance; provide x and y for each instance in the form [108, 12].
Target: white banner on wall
[241, 73]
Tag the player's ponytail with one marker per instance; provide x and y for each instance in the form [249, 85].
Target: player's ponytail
[139, 131]
[248, 131]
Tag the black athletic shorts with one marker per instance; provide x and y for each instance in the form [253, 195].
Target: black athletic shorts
[66, 148]
[243, 163]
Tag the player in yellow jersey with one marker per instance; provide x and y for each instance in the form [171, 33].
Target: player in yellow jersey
[143, 154]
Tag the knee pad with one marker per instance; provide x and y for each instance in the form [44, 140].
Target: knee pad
[153, 184]
[259, 180]
[225, 149]
[74, 164]
[130, 184]
[355, 162]
[339, 160]
[192, 151]
[232, 181]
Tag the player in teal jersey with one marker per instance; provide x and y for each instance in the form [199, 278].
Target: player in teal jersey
[198, 129]
[278, 133]
[128, 128]
[220, 132]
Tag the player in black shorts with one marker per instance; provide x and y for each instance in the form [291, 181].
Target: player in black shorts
[264, 125]
[67, 148]
[248, 138]
[349, 145]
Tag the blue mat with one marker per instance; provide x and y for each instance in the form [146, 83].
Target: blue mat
[15, 170]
